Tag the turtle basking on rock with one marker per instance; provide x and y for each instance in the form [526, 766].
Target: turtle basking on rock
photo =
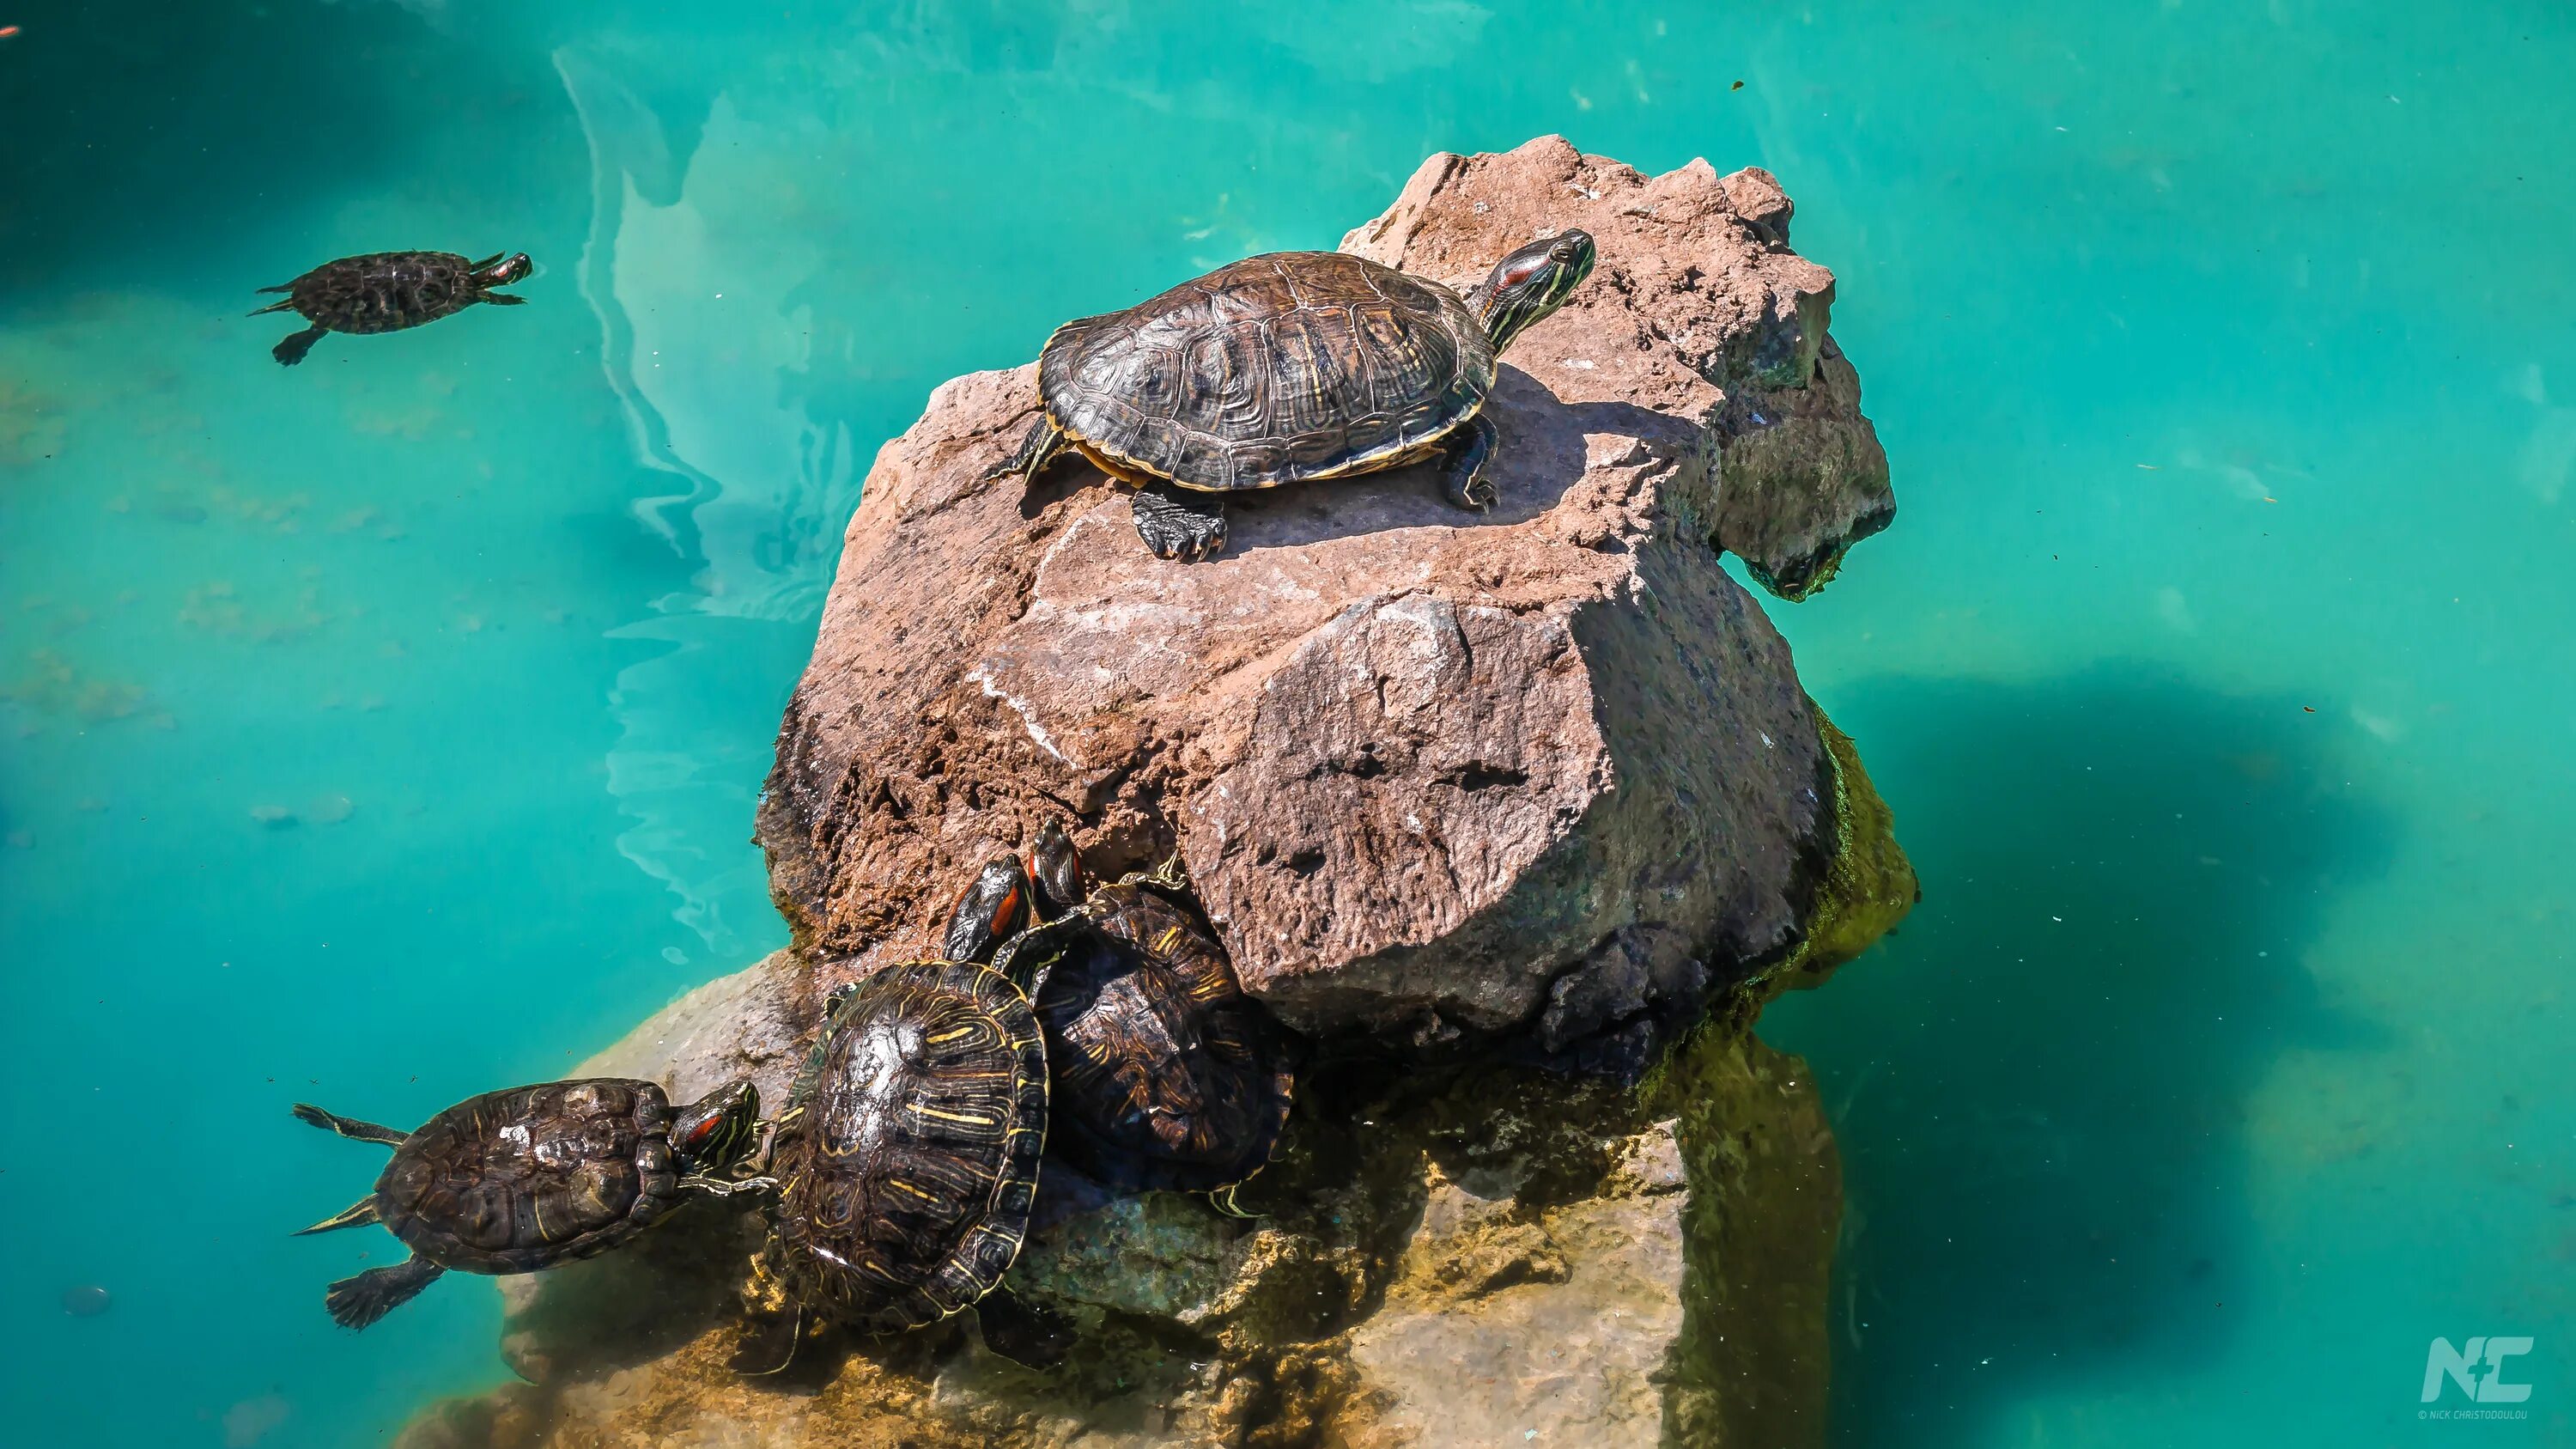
[521, 1180]
[389, 291]
[1167, 1075]
[1284, 368]
[907, 1161]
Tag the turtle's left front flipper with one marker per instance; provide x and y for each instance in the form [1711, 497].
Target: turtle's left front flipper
[1462, 465]
[357, 1302]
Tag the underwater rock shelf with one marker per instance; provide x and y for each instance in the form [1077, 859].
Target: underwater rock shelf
[1517, 819]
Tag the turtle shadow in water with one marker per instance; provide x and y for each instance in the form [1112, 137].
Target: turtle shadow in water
[1538, 459]
[2042, 1084]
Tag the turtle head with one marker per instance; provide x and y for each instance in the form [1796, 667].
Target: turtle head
[502, 271]
[999, 905]
[1530, 283]
[1057, 868]
[713, 1135]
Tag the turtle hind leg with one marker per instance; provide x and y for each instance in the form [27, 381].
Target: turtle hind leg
[349, 1127]
[357, 1302]
[355, 1215]
[1462, 465]
[1036, 451]
[292, 350]
[1175, 525]
[1026, 1335]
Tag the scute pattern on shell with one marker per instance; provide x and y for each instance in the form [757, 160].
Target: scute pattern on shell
[517, 1180]
[908, 1160]
[1169, 1076]
[1275, 369]
[385, 291]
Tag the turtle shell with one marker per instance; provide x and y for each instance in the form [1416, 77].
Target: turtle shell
[1167, 1074]
[1276, 369]
[514, 1181]
[908, 1157]
[385, 291]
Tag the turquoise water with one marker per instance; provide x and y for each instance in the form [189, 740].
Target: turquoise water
[388, 729]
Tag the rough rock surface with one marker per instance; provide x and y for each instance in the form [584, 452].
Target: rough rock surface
[1545, 772]
[1707, 315]
[1472, 800]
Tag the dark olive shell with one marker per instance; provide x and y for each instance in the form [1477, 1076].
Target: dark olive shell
[908, 1157]
[1276, 369]
[1167, 1074]
[515, 1181]
[385, 291]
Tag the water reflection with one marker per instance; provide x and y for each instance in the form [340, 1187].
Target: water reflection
[708, 317]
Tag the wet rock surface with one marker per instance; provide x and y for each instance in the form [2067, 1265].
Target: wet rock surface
[1516, 819]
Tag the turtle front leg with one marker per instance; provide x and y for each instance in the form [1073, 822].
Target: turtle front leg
[1179, 524]
[1462, 465]
[1036, 451]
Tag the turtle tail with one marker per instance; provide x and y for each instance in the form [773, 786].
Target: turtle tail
[357, 1302]
[356, 1215]
[287, 305]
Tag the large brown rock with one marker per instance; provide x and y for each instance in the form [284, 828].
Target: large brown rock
[1471, 799]
[1545, 772]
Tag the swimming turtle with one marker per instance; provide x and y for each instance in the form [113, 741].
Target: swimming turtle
[1282, 368]
[1167, 1076]
[516, 1181]
[389, 291]
[907, 1161]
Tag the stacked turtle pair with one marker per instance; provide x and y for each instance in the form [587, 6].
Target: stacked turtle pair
[908, 1156]
[906, 1162]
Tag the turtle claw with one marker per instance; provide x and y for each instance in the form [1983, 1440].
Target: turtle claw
[1187, 529]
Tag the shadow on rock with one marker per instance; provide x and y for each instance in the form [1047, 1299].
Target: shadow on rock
[2041, 1091]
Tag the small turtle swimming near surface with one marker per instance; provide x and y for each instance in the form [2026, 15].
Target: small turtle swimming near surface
[517, 1181]
[1167, 1075]
[1284, 368]
[389, 291]
[907, 1162]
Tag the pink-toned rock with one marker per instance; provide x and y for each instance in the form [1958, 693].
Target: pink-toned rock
[1546, 770]
[1699, 309]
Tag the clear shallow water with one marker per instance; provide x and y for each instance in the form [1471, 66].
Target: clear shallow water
[387, 729]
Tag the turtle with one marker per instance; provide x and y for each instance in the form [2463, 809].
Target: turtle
[523, 1179]
[907, 1161]
[1166, 1074]
[1282, 368]
[389, 291]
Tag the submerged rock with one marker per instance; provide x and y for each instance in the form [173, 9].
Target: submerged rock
[1544, 773]
[1518, 819]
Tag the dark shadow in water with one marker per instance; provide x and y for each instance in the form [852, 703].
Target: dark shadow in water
[2040, 1089]
[247, 128]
